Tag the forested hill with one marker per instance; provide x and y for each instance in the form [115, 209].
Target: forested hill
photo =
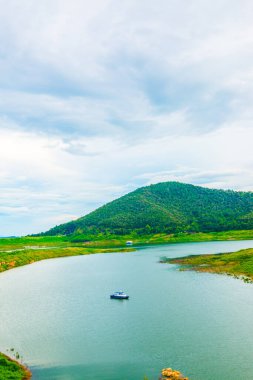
[167, 207]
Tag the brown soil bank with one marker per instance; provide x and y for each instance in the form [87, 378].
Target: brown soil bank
[10, 369]
[170, 374]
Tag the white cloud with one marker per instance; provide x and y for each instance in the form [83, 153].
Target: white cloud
[99, 98]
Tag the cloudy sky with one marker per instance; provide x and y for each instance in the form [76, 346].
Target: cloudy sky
[100, 97]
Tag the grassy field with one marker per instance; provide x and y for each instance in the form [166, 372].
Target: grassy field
[238, 264]
[15, 252]
[12, 370]
[161, 238]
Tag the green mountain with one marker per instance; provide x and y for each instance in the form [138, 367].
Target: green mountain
[167, 207]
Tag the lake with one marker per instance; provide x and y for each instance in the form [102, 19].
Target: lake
[58, 315]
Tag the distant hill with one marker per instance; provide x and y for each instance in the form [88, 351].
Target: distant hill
[167, 207]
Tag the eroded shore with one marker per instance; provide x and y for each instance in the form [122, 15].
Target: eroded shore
[12, 369]
[237, 264]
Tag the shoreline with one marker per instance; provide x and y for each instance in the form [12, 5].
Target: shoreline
[16, 258]
[19, 258]
[22, 257]
[20, 251]
[26, 372]
[237, 264]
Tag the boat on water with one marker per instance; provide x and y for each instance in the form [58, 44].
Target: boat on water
[119, 296]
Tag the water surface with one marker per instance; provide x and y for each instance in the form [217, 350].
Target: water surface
[58, 315]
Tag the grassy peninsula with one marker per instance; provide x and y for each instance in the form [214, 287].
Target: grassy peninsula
[15, 252]
[238, 264]
[12, 370]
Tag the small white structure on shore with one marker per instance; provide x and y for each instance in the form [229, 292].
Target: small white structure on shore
[129, 242]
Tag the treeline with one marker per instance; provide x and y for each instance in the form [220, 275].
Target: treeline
[168, 207]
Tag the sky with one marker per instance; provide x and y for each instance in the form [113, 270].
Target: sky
[100, 98]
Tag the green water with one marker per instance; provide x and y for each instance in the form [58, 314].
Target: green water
[59, 316]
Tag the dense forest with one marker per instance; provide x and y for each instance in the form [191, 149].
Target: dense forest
[169, 207]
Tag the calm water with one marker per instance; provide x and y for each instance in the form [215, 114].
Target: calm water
[58, 315]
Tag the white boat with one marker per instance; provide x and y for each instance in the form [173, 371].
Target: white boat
[119, 296]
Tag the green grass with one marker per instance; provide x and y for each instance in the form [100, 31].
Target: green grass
[10, 369]
[20, 254]
[21, 242]
[15, 252]
[159, 238]
[238, 264]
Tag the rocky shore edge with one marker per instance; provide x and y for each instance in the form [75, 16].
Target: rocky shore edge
[171, 374]
[166, 373]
